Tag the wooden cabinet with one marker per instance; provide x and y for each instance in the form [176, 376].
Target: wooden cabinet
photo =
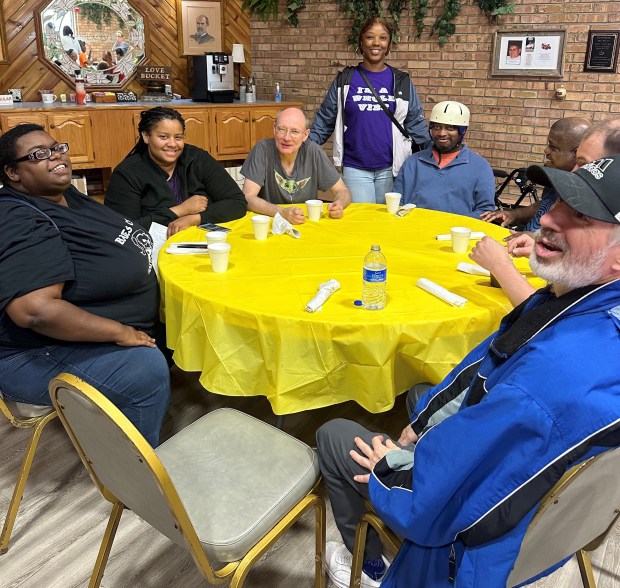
[73, 128]
[238, 129]
[101, 135]
[232, 133]
[197, 127]
[262, 121]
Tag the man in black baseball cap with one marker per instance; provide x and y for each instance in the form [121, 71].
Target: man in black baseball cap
[592, 190]
[577, 244]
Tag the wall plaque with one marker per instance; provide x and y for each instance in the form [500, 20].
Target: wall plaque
[602, 51]
[154, 73]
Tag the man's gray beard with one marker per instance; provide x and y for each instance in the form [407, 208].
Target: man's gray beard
[573, 271]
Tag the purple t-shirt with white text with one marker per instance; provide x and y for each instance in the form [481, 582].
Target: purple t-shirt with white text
[368, 130]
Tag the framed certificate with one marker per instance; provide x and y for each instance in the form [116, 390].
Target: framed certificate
[528, 53]
[602, 51]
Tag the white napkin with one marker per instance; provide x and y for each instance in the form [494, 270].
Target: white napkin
[326, 289]
[405, 209]
[176, 249]
[280, 226]
[441, 292]
[472, 268]
[448, 237]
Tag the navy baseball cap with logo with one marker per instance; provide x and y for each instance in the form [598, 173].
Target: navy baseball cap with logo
[593, 190]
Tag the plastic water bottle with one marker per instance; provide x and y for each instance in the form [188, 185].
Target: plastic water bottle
[375, 277]
[278, 94]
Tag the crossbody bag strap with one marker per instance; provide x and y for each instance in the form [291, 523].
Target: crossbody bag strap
[382, 104]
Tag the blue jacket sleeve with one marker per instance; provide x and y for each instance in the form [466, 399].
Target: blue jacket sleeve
[465, 466]
[415, 123]
[325, 117]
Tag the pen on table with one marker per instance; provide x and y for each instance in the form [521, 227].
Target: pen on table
[193, 246]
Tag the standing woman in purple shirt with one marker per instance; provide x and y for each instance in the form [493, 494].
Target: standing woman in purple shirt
[367, 144]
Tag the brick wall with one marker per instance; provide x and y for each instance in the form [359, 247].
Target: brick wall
[510, 116]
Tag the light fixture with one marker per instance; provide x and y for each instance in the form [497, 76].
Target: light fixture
[238, 57]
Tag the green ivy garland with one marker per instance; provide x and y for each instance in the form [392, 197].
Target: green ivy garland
[495, 8]
[359, 10]
[444, 25]
[265, 9]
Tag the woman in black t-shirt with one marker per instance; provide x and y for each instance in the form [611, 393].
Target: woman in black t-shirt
[78, 292]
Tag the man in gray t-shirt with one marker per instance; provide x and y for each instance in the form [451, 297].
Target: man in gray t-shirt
[290, 170]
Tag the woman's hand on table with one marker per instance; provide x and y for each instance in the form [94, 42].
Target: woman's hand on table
[179, 224]
[335, 209]
[193, 205]
[130, 337]
[294, 215]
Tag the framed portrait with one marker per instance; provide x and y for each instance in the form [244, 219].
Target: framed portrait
[528, 53]
[602, 51]
[4, 56]
[201, 28]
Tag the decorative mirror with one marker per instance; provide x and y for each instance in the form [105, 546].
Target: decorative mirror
[103, 40]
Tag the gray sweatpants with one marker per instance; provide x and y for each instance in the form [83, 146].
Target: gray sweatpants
[334, 441]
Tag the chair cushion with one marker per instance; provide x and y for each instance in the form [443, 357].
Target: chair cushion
[237, 477]
[25, 410]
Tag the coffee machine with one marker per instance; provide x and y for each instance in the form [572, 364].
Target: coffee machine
[213, 79]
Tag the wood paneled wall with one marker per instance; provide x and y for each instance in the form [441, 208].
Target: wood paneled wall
[26, 71]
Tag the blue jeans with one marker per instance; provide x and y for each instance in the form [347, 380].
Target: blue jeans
[368, 185]
[135, 379]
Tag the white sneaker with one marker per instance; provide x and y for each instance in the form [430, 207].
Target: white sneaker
[338, 561]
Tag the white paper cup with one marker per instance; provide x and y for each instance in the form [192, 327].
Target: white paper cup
[392, 200]
[219, 254]
[314, 208]
[260, 223]
[216, 237]
[48, 98]
[460, 239]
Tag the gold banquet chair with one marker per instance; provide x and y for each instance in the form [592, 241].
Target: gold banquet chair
[22, 416]
[573, 518]
[225, 488]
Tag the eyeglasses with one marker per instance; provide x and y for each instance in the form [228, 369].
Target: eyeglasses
[294, 133]
[44, 153]
[439, 127]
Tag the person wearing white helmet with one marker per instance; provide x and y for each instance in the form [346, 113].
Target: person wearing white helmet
[448, 176]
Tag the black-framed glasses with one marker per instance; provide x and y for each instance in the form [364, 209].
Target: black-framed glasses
[440, 127]
[44, 153]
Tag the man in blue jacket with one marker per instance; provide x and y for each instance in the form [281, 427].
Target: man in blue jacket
[448, 176]
[536, 397]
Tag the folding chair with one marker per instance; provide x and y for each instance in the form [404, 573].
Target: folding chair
[573, 518]
[225, 488]
[22, 416]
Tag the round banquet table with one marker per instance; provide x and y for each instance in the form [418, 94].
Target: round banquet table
[247, 332]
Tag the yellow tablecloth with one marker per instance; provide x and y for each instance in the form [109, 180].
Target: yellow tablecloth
[248, 333]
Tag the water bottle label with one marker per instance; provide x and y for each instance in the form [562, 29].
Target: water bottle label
[375, 275]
